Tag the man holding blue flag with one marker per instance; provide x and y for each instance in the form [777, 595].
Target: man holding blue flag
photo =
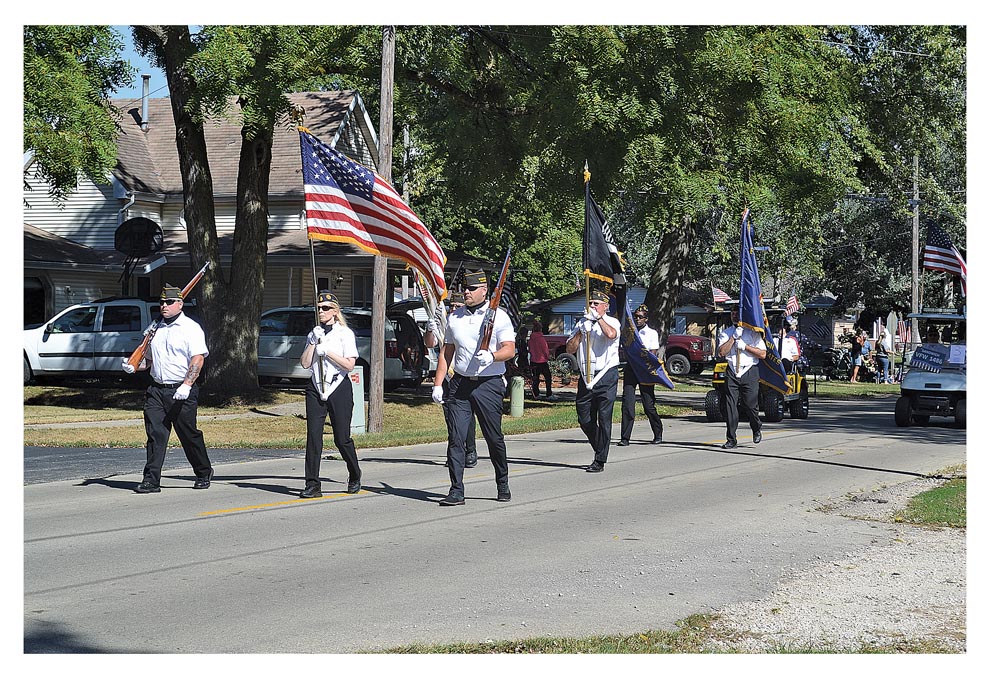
[649, 342]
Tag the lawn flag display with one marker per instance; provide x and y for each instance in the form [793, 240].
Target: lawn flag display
[719, 296]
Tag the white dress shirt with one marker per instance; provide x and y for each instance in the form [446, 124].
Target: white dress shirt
[173, 346]
[649, 337]
[746, 359]
[464, 332]
[604, 351]
[338, 340]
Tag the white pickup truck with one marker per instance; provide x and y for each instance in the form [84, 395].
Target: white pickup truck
[86, 339]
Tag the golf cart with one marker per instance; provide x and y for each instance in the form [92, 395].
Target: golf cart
[771, 402]
[935, 381]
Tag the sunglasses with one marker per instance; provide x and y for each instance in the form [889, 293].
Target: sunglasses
[472, 288]
[595, 303]
[325, 307]
[168, 302]
[640, 316]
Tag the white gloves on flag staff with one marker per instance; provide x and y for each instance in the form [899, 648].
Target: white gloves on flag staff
[740, 345]
[437, 395]
[432, 327]
[182, 392]
[318, 332]
[485, 358]
[739, 331]
[322, 349]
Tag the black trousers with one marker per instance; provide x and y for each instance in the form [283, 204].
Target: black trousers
[481, 398]
[594, 411]
[745, 390]
[339, 407]
[470, 443]
[647, 394]
[161, 413]
[541, 370]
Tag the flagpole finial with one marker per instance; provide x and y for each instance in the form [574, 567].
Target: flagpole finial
[587, 174]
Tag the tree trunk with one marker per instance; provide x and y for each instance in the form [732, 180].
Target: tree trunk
[667, 276]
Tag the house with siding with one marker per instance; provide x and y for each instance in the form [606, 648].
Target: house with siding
[69, 254]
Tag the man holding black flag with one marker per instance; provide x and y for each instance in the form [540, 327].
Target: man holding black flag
[477, 386]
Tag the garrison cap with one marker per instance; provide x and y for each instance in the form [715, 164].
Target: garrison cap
[642, 308]
[327, 296]
[599, 296]
[475, 278]
[169, 291]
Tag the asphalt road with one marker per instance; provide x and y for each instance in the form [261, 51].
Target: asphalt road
[666, 531]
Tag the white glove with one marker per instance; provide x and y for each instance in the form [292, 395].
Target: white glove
[485, 358]
[587, 325]
[437, 395]
[318, 332]
[127, 367]
[593, 316]
[321, 349]
[432, 327]
[740, 345]
[739, 331]
[182, 392]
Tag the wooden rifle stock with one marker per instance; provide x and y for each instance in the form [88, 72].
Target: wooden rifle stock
[135, 360]
[488, 325]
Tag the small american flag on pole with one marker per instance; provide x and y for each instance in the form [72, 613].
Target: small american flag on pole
[902, 331]
[793, 306]
[349, 203]
[719, 295]
[941, 255]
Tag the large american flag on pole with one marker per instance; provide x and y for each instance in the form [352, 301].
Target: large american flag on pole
[348, 203]
[941, 255]
[719, 295]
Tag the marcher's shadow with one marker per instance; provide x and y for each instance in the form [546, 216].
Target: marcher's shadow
[110, 483]
[409, 493]
[533, 462]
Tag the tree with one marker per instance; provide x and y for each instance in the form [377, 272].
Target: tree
[69, 124]
[208, 74]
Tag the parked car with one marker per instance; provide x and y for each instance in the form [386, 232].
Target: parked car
[89, 339]
[282, 338]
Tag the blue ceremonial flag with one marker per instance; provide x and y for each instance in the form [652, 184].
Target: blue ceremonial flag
[752, 314]
[646, 366]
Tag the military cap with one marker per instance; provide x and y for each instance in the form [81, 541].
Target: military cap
[171, 292]
[328, 297]
[475, 278]
[599, 296]
[642, 308]
[455, 297]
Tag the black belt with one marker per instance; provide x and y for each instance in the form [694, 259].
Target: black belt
[476, 378]
[167, 385]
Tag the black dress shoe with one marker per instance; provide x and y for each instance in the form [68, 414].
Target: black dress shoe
[354, 486]
[758, 436]
[451, 500]
[204, 481]
[657, 439]
[729, 444]
[595, 466]
[311, 491]
[623, 442]
[471, 460]
[147, 487]
[503, 494]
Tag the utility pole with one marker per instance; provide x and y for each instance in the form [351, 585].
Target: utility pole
[915, 298]
[376, 391]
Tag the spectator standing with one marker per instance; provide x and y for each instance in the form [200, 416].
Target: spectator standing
[856, 353]
[883, 357]
[539, 360]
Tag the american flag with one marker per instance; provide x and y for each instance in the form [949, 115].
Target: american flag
[793, 306]
[941, 255]
[349, 203]
[902, 331]
[719, 295]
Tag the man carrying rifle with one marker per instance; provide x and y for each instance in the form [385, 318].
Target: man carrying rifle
[175, 358]
[477, 386]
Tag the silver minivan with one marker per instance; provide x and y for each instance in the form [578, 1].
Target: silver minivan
[282, 338]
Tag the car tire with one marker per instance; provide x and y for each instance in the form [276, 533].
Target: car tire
[570, 360]
[902, 412]
[799, 408]
[961, 413]
[28, 375]
[774, 407]
[678, 364]
[713, 406]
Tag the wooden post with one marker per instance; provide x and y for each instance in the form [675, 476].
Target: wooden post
[376, 389]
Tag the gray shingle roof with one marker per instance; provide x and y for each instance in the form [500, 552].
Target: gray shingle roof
[148, 162]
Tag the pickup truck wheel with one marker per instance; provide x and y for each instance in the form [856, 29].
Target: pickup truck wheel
[570, 360]
[678, 364]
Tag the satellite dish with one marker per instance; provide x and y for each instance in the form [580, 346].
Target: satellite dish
[138, 237]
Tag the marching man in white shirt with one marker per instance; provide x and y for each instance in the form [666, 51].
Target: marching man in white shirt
[744, 348]
[595, 401]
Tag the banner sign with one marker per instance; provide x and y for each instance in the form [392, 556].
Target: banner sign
[930, 357]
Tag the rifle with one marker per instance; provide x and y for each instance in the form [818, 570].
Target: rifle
[135, 360]
[488, 325]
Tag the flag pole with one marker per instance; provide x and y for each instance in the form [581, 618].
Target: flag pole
[316, 311]
[587, 339]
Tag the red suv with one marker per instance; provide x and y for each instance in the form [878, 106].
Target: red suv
[684, 354]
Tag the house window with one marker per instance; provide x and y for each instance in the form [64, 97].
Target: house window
[322, 283]
[363, 290]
